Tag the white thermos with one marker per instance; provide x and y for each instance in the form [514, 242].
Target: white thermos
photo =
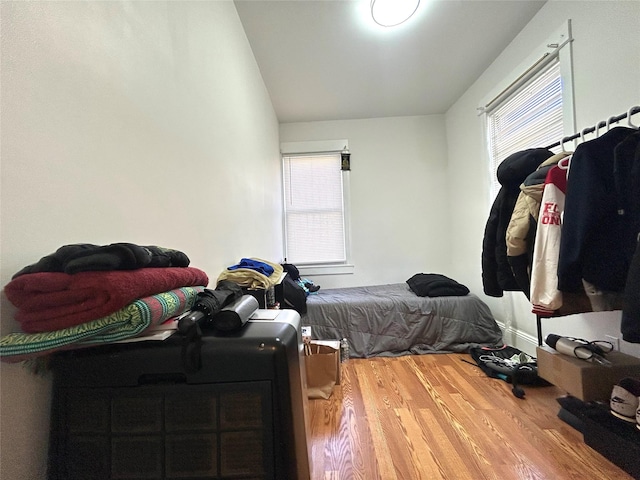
[575, 348]
[568, 346]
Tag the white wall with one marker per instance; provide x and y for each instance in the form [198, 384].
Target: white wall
[148, 122]
[400, 220]
[606, 72]
[125, 121]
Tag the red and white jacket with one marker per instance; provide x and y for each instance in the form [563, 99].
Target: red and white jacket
[545, 296]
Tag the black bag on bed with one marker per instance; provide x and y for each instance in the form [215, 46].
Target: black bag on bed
[294, 296]
[509, 364]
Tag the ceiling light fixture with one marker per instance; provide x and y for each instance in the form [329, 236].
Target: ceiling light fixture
[390, 13]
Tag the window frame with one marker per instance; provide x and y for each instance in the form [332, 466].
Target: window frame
[289, 149]
[557, 47]
[497, 138]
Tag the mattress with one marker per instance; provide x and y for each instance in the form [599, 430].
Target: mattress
[391, 320]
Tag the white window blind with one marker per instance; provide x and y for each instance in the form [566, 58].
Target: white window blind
[314, 209]
[530, 118]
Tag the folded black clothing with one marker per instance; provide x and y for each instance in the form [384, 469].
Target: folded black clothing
[55, 261]
[117, 256]
[167, 257]
[436, 285]
[83, 257]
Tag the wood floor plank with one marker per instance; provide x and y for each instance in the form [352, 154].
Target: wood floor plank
[448, 416]
[422, 462]
[435, 416]
[450, 455]
[369, 382]
[474, 434]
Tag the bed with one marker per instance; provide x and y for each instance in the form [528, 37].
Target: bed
[391, 320]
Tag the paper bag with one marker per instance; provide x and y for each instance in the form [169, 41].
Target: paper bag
[321, 364]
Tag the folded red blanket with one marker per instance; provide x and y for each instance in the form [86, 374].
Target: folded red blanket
[48, 301]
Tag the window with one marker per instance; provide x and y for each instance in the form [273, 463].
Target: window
[531, 117]
[536, 108]
[316, 211]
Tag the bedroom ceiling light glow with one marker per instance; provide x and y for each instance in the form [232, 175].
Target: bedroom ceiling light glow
[390, 13]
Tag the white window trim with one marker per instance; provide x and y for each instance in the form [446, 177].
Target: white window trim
[560, 42]
[319, 146]
[325, 146]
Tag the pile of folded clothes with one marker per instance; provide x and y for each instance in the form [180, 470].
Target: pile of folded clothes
[253, 273]
[85, 294]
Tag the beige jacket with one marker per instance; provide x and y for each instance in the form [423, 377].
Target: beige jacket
[527, 206]
[249, 278]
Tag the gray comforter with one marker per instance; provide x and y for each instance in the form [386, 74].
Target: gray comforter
[391, 320]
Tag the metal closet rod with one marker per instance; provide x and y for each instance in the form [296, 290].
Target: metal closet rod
[616, 119]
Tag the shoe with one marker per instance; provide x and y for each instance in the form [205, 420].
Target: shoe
[624, 399]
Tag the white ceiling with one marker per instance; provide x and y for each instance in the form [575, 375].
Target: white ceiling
[326, 59]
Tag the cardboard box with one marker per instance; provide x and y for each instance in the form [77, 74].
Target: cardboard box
[585, 380]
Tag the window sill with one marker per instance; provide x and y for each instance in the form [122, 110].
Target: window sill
[326, 270]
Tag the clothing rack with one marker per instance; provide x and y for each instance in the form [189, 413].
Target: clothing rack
[616, 119]
[632, 111]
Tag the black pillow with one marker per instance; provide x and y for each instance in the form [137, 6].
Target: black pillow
[436, 285]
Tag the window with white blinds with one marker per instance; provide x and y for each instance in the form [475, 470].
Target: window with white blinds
[530, 118]
[314, 209]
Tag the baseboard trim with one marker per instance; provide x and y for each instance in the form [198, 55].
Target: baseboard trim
[519, 339]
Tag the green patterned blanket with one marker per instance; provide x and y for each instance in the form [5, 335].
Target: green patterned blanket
[130, 321]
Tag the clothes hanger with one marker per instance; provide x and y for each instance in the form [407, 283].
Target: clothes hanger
[583, 133]
[566, 161]
[562, 150]
[629, 113]
[609, 120]
[597, 130]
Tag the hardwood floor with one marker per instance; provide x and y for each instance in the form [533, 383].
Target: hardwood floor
[437, 417]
